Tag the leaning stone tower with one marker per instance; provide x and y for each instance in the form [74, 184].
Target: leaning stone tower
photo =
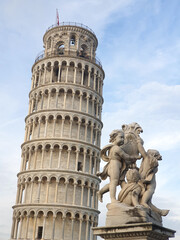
[57, 183]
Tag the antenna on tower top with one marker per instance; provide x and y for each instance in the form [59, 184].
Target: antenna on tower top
[57, 17]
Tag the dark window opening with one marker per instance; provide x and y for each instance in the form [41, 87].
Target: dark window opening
[80, 166]
[72, 41]
[40, 231]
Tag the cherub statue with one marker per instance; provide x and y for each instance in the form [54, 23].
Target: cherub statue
[117, 166]
[132, 190]
[148, 169]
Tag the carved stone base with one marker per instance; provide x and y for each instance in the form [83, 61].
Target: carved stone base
[138, 231]
[120, 213]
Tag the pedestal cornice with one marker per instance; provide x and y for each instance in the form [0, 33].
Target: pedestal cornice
[138, 231]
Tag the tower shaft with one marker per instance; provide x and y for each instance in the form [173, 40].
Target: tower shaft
[57, 183]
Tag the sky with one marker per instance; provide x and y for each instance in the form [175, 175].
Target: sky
[139, 47]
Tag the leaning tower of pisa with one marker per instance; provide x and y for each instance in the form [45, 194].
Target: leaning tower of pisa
[57, 183]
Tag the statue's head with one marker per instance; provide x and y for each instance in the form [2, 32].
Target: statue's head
[138, 129]
[132, 176]
[155, 154]
[117, 137]
[132, 128]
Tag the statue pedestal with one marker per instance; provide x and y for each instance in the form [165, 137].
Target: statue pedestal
[135, 231]
[119, 214]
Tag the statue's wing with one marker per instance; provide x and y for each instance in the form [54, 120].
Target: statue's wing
[105, 152]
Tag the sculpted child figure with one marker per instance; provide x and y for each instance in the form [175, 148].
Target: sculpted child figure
[132, 190]
[117, 166]
[148, 169]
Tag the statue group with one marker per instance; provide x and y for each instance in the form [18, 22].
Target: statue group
[137, 184]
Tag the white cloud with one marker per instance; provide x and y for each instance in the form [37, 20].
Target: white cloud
[156, 107]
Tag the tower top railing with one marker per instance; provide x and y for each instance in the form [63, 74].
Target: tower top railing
[41, 55]
[71, 24]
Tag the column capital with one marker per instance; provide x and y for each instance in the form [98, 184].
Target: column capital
[81, 219]
[66, 182]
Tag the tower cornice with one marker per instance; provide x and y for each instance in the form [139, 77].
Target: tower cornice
[67, 85]
[67, 56]
[76, 174]
[62, 111]
[60, 140]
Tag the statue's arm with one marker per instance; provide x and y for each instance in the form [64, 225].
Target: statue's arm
[135, 196]
[149, 178]
[141, 148]
[126, 156]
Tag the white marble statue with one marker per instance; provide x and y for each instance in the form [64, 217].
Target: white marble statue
[132, 190]
[137, 184]
[117, 166]
[148, 169]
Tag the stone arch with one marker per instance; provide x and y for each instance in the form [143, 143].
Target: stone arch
[69, 99]
[66, 127]
[55, 71]
[83, 50]
[63, 71]
[79, 73]
[60, 48]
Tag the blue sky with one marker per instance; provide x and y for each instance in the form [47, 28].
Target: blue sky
[139, 46]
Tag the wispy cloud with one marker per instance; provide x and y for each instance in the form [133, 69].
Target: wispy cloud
[156, 106]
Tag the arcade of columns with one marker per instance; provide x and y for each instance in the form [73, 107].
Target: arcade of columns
[57, 183]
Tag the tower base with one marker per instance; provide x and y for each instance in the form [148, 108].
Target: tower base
[137, 231]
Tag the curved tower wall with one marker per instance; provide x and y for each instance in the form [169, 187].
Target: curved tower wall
[57, 183]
